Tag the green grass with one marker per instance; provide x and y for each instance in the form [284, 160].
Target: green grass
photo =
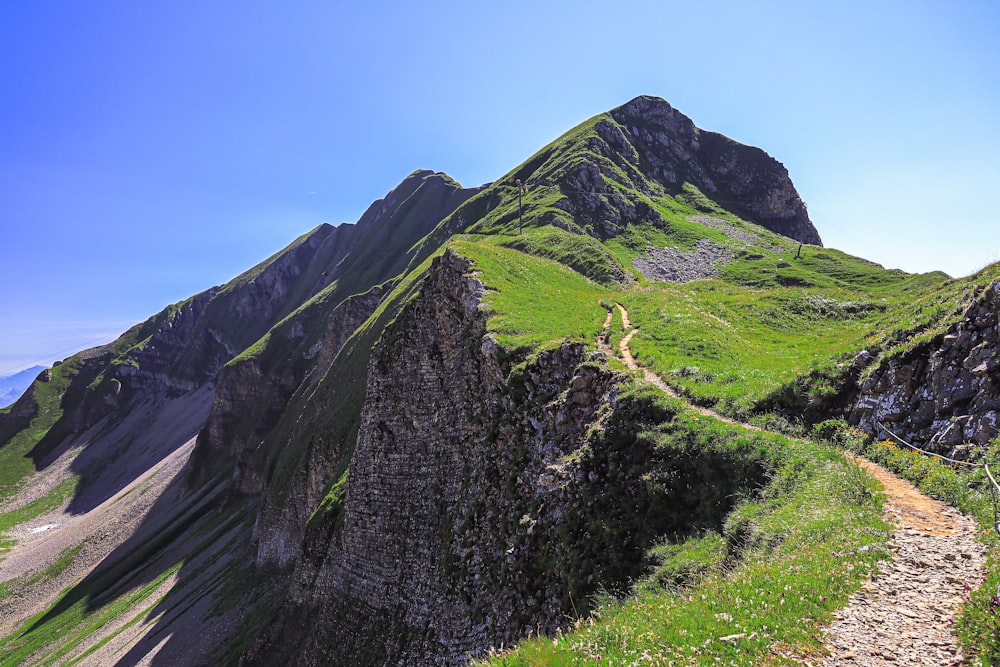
[796, 550]
[584, 254]
[731, 347]
[534, 302]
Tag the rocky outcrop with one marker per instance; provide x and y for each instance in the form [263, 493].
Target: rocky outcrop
[745, 178]
[680, 266]
[648, 146]
[487, 497]
[456, 456]
[944, 392]
[254, 390]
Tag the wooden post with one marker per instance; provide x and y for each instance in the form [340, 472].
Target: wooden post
[520, 219]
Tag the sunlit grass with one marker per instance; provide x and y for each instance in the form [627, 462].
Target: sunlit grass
[810, 540]
[966, 488]
[535, 302]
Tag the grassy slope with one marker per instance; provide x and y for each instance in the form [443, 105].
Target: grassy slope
[815, 536]
[817, 525]
[778, 567]
[15, 462]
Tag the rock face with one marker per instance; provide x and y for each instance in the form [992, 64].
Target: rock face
[268, 391]
[484, 500]
[457, 479]
[650, 147]
[232, 357]
[944, 392]
[253, 392]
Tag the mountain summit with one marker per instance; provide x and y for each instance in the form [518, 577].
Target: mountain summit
[612, 170]
[664, 145]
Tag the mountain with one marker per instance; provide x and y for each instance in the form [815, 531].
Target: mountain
[12, 386]
[411, 440]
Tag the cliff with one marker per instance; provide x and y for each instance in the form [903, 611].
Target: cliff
[476, 506]
[224, 362]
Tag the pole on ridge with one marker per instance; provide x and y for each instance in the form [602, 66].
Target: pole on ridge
[520, 218]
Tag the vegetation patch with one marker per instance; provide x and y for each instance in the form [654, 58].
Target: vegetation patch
[534, 302]
[15, 448]
[788, 556]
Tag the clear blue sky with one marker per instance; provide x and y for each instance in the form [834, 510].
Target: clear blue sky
[150, 150]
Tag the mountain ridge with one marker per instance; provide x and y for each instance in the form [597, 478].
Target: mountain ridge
[437, 359]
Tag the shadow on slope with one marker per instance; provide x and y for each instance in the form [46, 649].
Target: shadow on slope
[170, 565]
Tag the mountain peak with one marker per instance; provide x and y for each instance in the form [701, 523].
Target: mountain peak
[740, 178]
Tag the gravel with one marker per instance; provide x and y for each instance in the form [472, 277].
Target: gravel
[682, 266]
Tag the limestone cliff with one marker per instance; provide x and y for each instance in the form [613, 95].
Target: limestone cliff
[433, 557]
[264, 399]
[486, 498]
[112, 415]
[943, 392]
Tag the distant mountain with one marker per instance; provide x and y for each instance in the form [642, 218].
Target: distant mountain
[12, 386]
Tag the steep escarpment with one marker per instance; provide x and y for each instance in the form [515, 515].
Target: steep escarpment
[660, 149]
[944, 392]
[434, 493]
[111, 416]
[266, 417]
[253, 391]
[255, 388]
[485, 496]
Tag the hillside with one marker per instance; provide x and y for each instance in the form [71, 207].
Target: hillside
[412, 441]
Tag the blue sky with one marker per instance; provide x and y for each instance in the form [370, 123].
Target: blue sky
[149, 151]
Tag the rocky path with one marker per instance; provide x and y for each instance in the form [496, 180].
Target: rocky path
[905, 615]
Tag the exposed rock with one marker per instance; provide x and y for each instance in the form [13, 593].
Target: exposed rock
[734, 232]
[673, 151]
[944, 392]
[450, 460]
[253, 392]
[681, 266]
[652, 150]
[476, 508]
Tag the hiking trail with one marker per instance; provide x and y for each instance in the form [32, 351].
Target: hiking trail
[905, 614]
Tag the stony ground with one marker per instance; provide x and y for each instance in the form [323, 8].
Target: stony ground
[681, 266]
[98, 537]
[905, 615]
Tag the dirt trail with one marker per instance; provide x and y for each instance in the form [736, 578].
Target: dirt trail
[651, 377]
[904, 615]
